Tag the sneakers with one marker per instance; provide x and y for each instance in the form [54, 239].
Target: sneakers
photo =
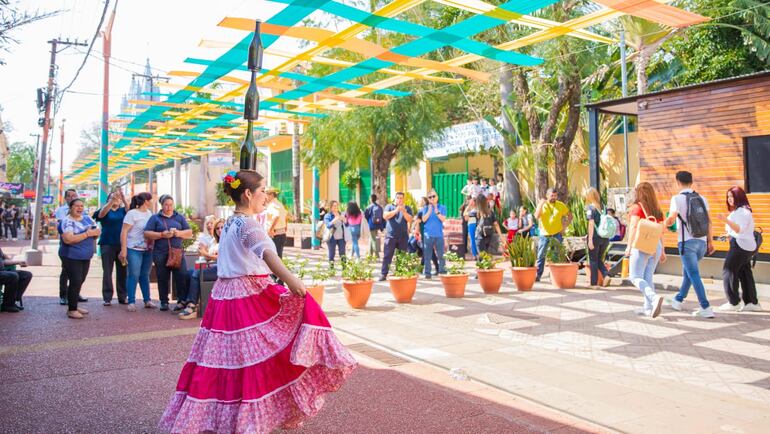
[83, 310]
[751, 307]
[74, 314]
[704, 313]
[676, 304]
[62, 301]
[131, 307]
[107, 303]
[164, 307]
[190, 312]
[9, 308]
[383, 278]
[607, 281]
[727, 307]
[642, 312]
[151, 305]
[657, 302]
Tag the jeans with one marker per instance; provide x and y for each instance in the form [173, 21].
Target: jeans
[10, 229]
[180, 275]
[737, 270]
[429, 245]
[339, 245]
[692, 252]
[391, 244]
[596, 260]
[139, 265]
[641, 271]
[279, 241]
[77, 271]
[209, 275]
[14, 283]
[542, 249]
[472, 233]
[110, 259]
[374, 242]
[355, 235]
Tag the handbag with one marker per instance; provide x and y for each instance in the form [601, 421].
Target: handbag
[648, 234]
[174, 260]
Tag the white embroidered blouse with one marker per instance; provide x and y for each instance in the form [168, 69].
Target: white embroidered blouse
[241, 246]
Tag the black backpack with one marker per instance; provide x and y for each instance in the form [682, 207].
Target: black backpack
[697, 216]
[8, 216]
[758, 239]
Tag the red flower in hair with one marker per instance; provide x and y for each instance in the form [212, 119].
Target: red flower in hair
[229, 179]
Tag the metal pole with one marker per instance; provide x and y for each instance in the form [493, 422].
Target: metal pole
[315, 214]
[33, 256]
[624, 89]
[104, 150]
[61, 164]
[48, 171]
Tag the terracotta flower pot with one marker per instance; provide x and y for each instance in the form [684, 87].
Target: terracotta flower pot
[524, 277]
[403, 288]
[564, 276]
[357, 293]
[317, 292]
[454, 284]
[490, 280]
[588, 274]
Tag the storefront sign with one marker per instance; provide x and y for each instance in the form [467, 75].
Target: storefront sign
[87, 194]
[221, 159]
[467, 137]
[11, 187]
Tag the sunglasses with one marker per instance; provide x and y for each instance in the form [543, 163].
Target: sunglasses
[432, 197]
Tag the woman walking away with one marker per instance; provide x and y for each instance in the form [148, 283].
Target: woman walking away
[469, 215]
[206, 270]
[111, 216]
[642, 265]
[78, 244]
[335, 226]
[487, 226]
[597, 245]
[135, 251]
[737, 268]
[265, 355]
[354, 219]
[166, 230]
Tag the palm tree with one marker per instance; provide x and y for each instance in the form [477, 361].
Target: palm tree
[645, 37]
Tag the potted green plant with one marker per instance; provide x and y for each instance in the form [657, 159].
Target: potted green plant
[563, 270]
[456, 278]
[313, 277]
[490, 277]
[357, 282]
[522, 253]
[403, 278]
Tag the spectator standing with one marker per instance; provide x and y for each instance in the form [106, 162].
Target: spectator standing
[642, 265]
[166, 230]
[206, 237]
[61, 213]
[475, 188]
[464, 226]
[467, 190]
[620, 233]
[376, 221]
[690, 208]
[16, 218]
[597, 245]
[354, 218]
[14, 281]
[511, 225]
[77, 247]
[526, 222]
[736, 271]
[415, 242]
[487, 226]
[135, 250]
[111, 217]
[469, 216]
[554, 217]
[434, 215]
[206, 270]
[500, 188]
[335, 225]
[8, 223]
[484, 187]
[276, 220]
[398, 216]
[420, 226]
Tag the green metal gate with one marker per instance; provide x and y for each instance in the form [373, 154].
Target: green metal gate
[280, 176]
[448, 187]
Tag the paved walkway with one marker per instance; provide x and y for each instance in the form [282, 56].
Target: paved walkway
[576, 359]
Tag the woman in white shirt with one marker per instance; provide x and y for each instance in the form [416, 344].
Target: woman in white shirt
[206, 238]
[134, 251]
[737, 268]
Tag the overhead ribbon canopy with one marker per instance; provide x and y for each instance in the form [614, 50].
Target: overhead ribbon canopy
[199, 117]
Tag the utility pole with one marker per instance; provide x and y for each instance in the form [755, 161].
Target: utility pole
[33, 256]
[104, 150]
[37, 152]
[61, 164]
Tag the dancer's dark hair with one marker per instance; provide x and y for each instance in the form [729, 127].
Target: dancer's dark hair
[249, 180]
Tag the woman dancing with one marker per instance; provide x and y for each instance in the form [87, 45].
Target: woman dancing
[265, 355]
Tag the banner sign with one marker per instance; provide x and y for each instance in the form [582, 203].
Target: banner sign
[467, 137]
[11, 187]
[47, 200]
[87, 194]
[221, 159]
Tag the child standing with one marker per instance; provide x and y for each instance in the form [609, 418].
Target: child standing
[512, 225]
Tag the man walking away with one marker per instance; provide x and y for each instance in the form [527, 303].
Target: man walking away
[554, 217]
[690, 211]
[397, 217]
[434, 215]
[376, 221]
[8, 223]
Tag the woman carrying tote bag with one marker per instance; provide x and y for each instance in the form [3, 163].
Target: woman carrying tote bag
[645, 247]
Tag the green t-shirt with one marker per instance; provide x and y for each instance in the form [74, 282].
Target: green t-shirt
[551, 218]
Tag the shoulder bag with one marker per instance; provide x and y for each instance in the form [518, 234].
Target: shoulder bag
[174, 260]
[648, 234]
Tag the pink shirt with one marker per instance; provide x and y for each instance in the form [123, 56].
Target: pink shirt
[355, 220]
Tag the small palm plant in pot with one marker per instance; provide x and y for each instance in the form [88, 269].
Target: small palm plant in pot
[563, 270]
[490, 277]
[456, 278]
[357, 282]
[403, 280]
[522, 253]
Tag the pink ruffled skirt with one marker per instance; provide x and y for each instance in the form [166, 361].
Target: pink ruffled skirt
[263, 359]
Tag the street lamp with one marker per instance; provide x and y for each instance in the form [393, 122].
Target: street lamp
[251, 106]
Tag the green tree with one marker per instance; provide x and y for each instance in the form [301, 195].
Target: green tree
[21, 162]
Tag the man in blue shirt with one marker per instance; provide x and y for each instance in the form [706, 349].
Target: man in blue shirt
[397, 217]
[433, 216]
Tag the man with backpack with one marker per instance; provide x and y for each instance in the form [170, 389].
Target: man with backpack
[8, 223]
[376, 221]
[690, 212]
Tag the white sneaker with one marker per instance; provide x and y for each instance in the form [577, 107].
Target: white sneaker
[751, 307]
[131, 307]
[642, 312]
[657, 303]
[704, 313]
[675, 304]
[727, 307]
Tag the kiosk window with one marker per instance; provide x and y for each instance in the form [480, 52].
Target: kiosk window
[756, 157]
